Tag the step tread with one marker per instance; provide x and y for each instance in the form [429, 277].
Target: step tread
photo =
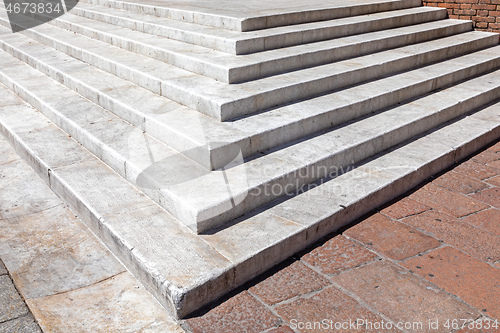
[133, 154]
[246, 42]
[134, 228]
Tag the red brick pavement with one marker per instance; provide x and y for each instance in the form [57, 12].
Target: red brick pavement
[428, 262]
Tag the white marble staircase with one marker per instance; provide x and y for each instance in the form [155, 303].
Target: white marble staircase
[204, 145]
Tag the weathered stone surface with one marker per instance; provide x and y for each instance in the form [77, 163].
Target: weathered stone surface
[119, 303]
[25, 324]
[11, 304]
[242, 311]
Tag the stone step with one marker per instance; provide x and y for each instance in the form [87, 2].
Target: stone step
[186, 271]
[224, 102]
[209, 142]
[221, 66]
[235, 42]
[202, 199]
[255, 15]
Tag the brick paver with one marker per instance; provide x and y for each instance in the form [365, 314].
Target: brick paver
[476, 282]
[404, 207]
[474, 241]
[476, 170]
[460, 183]
[241, 313]
[393, 239]
[338, 254]
[430, 257]
[14, 314]
[326, 308]
[404, 297]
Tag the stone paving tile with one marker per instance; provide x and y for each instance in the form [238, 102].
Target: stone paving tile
[473, 281]
[474, 241]
[486, 219]
[393, 239]
[403, 297]
[113, 305]
[328, 307]
[448, 202]
[460, 183]
[338, 254]
[11, 304]
[293, 280]
[476, 170]
[25, 324]
[490, 196]
[404, 207]
[52, 252]
[240, 313]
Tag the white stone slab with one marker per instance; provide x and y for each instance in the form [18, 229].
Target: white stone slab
[249, 42]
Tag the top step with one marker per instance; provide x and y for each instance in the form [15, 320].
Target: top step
[250, 15]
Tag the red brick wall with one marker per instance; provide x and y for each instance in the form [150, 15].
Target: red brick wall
[484, 13]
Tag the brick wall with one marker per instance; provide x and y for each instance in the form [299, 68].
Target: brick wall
[484, 13]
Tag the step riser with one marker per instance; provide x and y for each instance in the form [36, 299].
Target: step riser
[264, 194]
[257, 23]
[249, 72]
[257, 44]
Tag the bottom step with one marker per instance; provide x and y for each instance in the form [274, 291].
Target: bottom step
[186, 271]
